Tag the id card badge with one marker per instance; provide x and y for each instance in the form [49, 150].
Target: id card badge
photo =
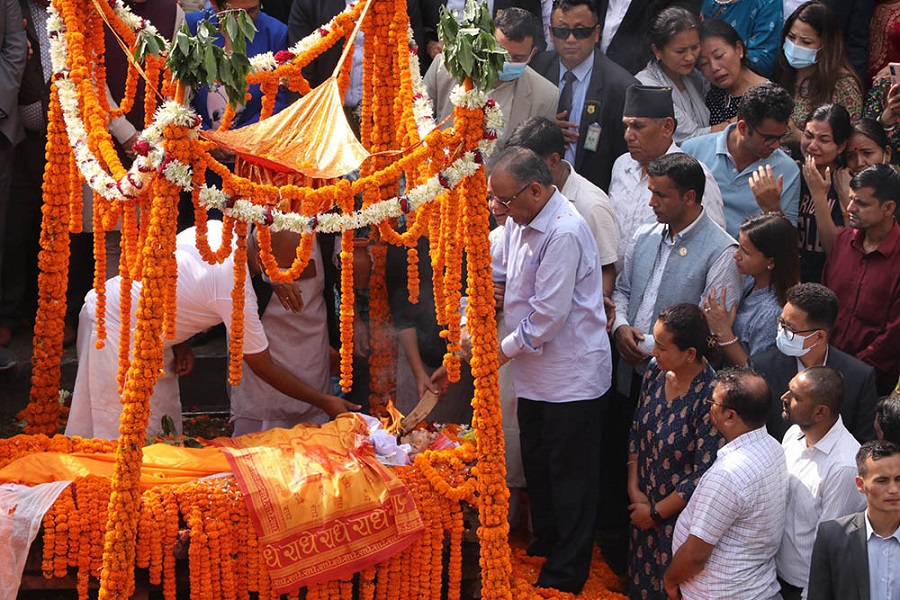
[592, 138]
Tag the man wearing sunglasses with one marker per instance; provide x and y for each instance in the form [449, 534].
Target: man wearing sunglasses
[803, 340]
[591, 87]
[753, 172]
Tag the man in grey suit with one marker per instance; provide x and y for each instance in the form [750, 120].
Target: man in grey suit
[592, 90]
[802, 341]
[521, 92]
[857, 557]
[13, 54]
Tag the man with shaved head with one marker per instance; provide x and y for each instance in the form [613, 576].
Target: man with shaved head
[821, 461]
[203, 300]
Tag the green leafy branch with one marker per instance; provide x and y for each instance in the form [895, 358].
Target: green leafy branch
[470, 48]
[197, 60]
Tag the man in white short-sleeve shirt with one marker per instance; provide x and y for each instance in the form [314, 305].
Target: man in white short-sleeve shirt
[203, 300]
[726, 538]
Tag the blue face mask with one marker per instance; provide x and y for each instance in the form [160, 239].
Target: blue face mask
[799, 57]
[512, 71]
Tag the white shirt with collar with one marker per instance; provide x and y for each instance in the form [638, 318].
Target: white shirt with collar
[630, 197]
[593, 204]
[884, 564]
[822, 486]
[615, 14]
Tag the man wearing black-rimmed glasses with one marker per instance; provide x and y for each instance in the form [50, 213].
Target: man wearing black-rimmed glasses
[546, 270]
[803, 341]
[591, 90]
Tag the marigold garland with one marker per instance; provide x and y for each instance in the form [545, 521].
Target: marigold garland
[391, 121]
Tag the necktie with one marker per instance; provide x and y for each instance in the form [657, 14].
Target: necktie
[565, 97]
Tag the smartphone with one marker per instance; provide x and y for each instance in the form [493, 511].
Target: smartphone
[895, 72]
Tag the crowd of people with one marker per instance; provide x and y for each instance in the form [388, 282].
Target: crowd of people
[696, 266]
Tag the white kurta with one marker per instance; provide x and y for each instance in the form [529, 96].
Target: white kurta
[203, 300]
[299, 342]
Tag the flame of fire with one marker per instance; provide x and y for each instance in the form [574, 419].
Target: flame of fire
[391, 422]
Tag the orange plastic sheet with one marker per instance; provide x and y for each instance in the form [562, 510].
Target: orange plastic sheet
[163, 465]
[321, 503]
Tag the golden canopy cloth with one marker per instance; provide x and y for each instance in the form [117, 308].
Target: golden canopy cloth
[163, 465]
[321, 503]
[311, 136]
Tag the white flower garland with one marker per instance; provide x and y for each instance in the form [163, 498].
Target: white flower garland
[266, 61]
[149, 163]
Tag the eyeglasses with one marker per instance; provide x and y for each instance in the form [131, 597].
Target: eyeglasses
[782, 325]
[580, 33]
[506, 201]
[710, 401]
[770, 140]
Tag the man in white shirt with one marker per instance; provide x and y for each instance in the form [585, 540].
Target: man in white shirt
[726, 538]
[544, 138]
[294, 317]
[203, 300]
[546, 269]
[649, 120]
[857, 557]
[821, 463]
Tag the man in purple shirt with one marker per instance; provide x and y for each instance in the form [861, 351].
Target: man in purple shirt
[863, 269]
[546, 268]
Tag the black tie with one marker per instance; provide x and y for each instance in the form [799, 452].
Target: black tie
[565, 97]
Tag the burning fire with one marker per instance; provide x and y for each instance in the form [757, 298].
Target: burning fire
[391, 422]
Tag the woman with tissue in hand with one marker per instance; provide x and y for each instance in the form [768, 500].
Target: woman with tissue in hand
[813, 66]
[672, 441]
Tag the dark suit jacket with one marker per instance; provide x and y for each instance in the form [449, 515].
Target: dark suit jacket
[630, 47]
[860, 396]
[840, 562]
[603, 104]
[35, 85]
[13, 53]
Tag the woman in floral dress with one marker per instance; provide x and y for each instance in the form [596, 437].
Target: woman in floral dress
[672, 441]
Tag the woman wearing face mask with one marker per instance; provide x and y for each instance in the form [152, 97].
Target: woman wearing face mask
[723, 62]
[675, 42]
[767, 256]
[821, 215]
[813, 66]
[672, 442]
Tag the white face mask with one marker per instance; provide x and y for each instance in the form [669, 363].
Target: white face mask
[792, 346]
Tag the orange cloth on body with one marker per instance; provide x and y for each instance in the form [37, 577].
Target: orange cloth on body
[321, 503]
[163, 465]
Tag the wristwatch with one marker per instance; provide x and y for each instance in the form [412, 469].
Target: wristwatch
[655, 515]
